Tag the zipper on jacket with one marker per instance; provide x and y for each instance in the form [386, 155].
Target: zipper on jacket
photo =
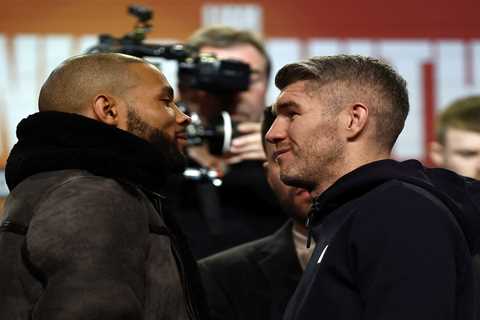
[308, 223]
[309, 228]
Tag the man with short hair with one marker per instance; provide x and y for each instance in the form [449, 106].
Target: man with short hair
[269, 268]
[84, 235]
[242, 45]
[458, 138]
[243, 208]
[394, 240]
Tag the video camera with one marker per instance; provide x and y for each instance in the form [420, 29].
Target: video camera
[196, 71]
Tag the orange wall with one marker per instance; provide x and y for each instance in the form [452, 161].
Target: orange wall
[171, 18]
[300, 18]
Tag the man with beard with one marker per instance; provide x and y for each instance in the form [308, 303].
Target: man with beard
[84, 235]
[267, 270]
[394, 240]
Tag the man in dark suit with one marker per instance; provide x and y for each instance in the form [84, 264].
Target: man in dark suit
[256, 280]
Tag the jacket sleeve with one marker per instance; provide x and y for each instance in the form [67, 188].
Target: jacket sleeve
[410, 258]
[87, 240]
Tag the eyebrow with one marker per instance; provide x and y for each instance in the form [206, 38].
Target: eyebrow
[168, 91]
[283, 105]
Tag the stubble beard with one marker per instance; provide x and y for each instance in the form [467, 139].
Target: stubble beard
[316, 166]
[172, 158]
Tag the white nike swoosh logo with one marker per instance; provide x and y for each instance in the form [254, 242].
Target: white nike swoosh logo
[323, 253]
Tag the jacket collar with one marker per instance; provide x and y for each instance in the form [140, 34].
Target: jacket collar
[460, 194]
[280, 252]
[50, 141]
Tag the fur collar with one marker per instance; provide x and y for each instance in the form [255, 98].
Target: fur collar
[50, 141]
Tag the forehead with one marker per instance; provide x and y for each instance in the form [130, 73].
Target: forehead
[245, 53]
[293, 94]
[148, 73]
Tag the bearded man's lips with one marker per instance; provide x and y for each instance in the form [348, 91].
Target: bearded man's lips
[181, 138]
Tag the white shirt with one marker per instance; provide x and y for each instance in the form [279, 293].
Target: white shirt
[300, 242]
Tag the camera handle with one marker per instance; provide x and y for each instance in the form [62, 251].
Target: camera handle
[228, 131]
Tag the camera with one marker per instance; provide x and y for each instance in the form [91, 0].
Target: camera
[197, 71]
[218, 135]
[219, 77]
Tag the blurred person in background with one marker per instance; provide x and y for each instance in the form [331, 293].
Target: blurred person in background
[243, 208]
[458, 138]
[256, 280]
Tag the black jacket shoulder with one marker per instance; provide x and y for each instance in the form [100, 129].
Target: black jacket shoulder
[254, 280]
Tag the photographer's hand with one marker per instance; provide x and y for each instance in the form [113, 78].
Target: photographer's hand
[248, 146]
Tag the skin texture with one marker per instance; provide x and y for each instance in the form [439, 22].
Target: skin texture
[308, 147]
[460, 153]
[150, 101]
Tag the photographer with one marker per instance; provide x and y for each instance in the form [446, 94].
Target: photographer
[246, 107]
[243, 208]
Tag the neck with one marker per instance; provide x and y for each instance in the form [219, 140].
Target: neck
[354, 162]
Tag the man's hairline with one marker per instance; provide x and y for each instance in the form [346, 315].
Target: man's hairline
[313, 88]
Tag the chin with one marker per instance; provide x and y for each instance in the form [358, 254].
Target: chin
[294, 181]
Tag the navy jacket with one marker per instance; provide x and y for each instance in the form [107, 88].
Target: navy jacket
[394, 241]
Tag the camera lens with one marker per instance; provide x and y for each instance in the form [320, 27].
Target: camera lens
[223, 131]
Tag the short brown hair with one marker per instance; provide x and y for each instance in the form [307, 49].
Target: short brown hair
[463, 114]
[226, 37]
[357, 72]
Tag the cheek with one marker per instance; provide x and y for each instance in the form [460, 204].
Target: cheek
[254, 97]
[461, 164]
[169, 128]
[453, 158]
[300, 132]
[259, 90]
[165, 117]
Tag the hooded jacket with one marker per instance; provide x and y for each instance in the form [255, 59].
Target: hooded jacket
[84, 235]
[394, 241]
